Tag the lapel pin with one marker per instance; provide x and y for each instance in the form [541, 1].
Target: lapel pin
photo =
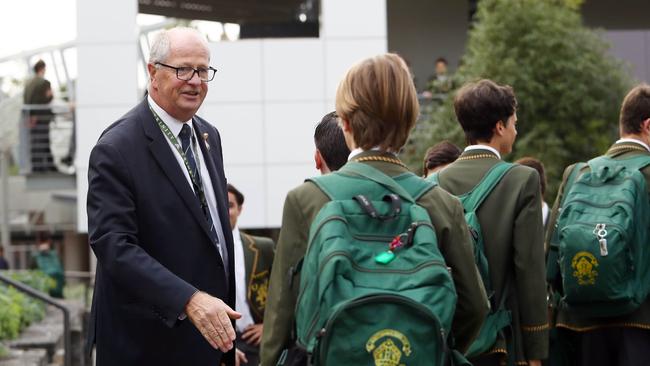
[205, 140]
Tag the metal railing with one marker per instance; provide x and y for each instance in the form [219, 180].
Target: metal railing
[36, 149]
[67, 338]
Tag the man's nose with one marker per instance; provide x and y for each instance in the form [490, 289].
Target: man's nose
[195, 78]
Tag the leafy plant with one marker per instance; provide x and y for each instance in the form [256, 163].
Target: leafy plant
[17, 310]
[568, 87]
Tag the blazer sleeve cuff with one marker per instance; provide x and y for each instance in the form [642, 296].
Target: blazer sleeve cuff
[535, 339]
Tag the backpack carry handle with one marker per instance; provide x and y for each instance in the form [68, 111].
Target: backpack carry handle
[369, 208]
[366, 171]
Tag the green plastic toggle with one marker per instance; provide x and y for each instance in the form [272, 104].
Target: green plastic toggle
[385, 257]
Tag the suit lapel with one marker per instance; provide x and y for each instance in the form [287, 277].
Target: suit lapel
[251, 258]
[167, 161]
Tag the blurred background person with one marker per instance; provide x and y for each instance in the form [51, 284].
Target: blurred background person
[253, 260]
[439, 156]
[37, 94]
[47, 260]
[331, 151]
[3, 261]
[537, 165]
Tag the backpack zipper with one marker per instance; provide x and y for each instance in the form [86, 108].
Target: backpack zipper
[314, 320]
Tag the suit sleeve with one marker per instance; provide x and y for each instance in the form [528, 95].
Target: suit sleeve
[472, 305]
[282, 297]
[113, 235]
[528, 258]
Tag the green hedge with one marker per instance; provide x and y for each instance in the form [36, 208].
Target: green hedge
[17, 310]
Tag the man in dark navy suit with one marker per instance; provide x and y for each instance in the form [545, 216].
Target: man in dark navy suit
[158, 222]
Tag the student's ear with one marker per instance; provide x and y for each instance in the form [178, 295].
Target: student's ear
[318, 159]
[645, 126]
[499, 127]
[345, 125]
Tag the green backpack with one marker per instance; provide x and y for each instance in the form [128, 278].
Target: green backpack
[602, 239]
[361, 303]
[499, 317]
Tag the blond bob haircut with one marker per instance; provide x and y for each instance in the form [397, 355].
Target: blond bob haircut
[377, 97]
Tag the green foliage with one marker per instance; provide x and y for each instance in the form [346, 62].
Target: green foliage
[568, 88]
[17, 310]
[10, 315]
[4, 352]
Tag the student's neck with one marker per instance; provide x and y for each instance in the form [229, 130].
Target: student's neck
[493, 144]
[637, 136]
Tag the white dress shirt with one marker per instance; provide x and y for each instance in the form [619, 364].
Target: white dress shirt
[240, 283]
[483, 147]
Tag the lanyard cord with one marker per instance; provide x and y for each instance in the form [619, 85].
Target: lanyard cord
[195, 180]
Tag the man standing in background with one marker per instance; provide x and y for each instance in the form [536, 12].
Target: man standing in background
[37, 93]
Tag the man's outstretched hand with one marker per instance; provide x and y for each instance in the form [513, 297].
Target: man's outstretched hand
[211, 317]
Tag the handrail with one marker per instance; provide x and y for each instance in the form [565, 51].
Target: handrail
[67, 340]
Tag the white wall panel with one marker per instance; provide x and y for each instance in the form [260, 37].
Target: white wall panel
[293, 69]
[251, 182]
[239, 75]
[353, 19]
[82, 190]
[107, 79]
[241, 129]
[341, 54]
[289, 130]
[281, 179]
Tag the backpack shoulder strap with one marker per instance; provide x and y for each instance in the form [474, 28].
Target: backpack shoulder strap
[377, 176]
[433, 177]
[331, 184]
[414, 184]
[577, 167]
[474, 198]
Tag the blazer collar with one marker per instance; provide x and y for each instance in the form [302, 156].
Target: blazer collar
[623, 146]
[478, 154]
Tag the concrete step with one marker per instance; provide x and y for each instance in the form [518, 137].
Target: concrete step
[31, 357]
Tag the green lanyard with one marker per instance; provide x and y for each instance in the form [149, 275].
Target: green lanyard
[195, 180]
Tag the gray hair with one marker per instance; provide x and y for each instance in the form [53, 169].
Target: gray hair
[161, 44]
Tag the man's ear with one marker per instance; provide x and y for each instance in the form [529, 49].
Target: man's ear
[152, 72]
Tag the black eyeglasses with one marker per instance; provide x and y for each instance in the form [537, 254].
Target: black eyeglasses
[186, 73]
